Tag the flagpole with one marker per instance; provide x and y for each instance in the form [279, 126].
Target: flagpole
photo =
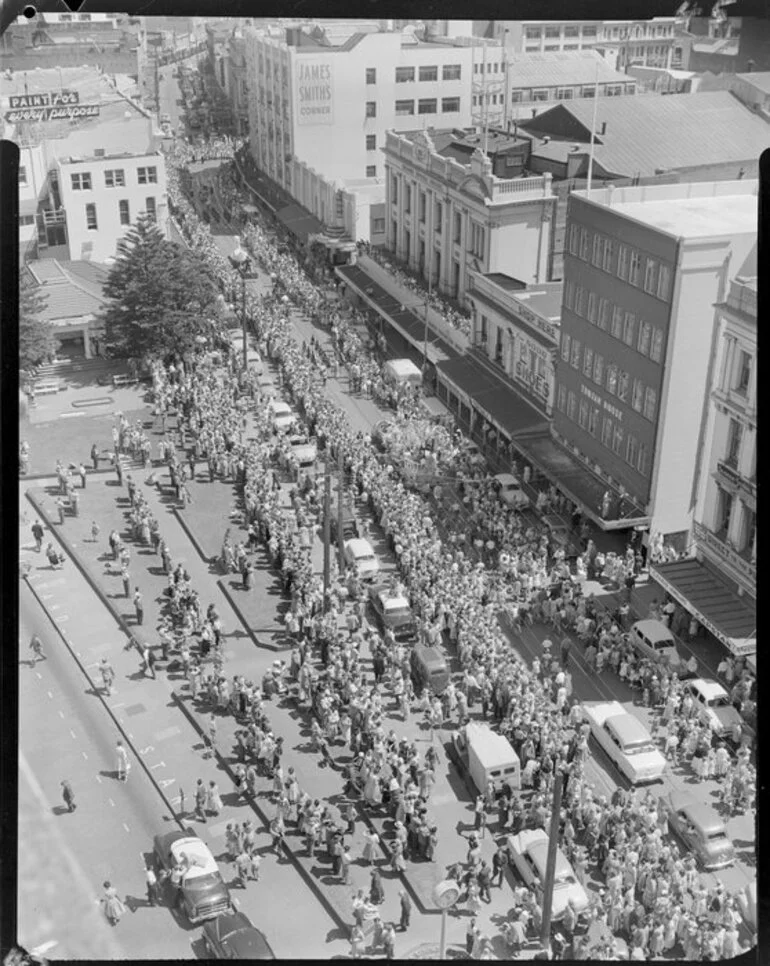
[593, 133]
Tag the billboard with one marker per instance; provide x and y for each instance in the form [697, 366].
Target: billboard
[52, 113]
[315, 93]
[50, 99]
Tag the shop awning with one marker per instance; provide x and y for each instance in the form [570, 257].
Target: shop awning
[712, 601]
[299, 221]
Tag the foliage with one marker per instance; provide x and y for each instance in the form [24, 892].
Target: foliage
[37, 343]
[163, 297]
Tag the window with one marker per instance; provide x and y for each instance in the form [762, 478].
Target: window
[571, 405]
[394, 188]
[371, 75]
[565, 345]
[402, 108]
[650, 275]
[91, 224]
[147, 175]
[450, 105]
[606, 431]
[580, 301]
[151, 210]
[552, 33]
[115, 179]
[571, 31]
[540, 94]
[569, 293]
[478, 240]
[423, 205]
[371, 171]
[637, 395]
[81, 182]
[428, 73]
[22, 174]
[664, 282]
[438, 217]
[636, 265]
[561, 399]
[609, 251]
[589, 31]
[371, 142]
[404, 75]
[378, 225]
[629, 325]
[617, 321]
[632, 450]
[642, 459]
[734, 438]
[724, 511]
[458, 227]
[656, 346]
[603, 319]
[643, 337]
[371, 108]
[650, 403]
[26, 220]
[584, 244]
[596, 249]
[593, 420]
[532, 33]
[125, 216]
[623, 381]
[617, 438]
[612, 378]
[583, 414]
[408, 199]
[587, 91]
[591, 310]
[576, 347]
[427, 105]
[623, 262]
[573, 239]
[743, 373]
[598, 373]
[565, 93]
[613, 90]
[451, 72]
[516, 97]
[588, 361]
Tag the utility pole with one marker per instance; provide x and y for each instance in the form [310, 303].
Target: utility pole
[340, 495]
[550, 866]
[327, 529]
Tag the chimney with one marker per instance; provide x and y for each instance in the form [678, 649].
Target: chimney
[546, 139]
[603, 128]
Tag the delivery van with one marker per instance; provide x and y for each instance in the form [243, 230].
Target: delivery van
[491, 758]
[399, 372]
[429, 669]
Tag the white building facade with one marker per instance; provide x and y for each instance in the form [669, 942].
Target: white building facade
[446, 219]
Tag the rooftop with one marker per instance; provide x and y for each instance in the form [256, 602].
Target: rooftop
[544, 300]
[70, 289]
[760, 80]
[554, 69]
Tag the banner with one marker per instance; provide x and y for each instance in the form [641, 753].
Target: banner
[52, 113]
[315, 93]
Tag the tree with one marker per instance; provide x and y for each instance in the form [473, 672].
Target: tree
[163, 297]
[36, 336]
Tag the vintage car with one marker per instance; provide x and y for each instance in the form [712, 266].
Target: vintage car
[510, 492]
[204, 893]
[304, 450]
[700, 829]
[528, 852]
[232, 936]
[282, 415]
[654, 640]
[714, 706]
[392, 611]
[359, 554]
[626, 741]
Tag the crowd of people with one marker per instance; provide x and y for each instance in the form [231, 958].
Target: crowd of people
[660, 899]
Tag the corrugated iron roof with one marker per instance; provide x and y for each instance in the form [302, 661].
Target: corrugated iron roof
[555, 69]
[68, 292]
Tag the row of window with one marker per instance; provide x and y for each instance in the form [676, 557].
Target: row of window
[644, 399]
[612, 434]
[426, 105]
[526, 94]
[406, 75]
[492, 68]
[124, 213]
[621, 260]
[647, 339]
[554, 32]
[114, 179]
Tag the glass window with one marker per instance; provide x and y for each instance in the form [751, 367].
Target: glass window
[596, 249]
[147, 175]
[561, 398]
[734, 439]
[643, 337]
[664, 282]
[451, 72]
[402, 108]
[429, 73]
[605, 311]
[91, 224]
[593, 420]
[617, 321]
[629, 326]
[650, 403]
[571, 31]
[404, 75]
[123, 210]
[371, 75]
[623, 262]
[636, 263]
[371, 142]
[612, 378]
[743, 372]
[371, 171]
[632, 449]
[591, 310]
[623, 380]
[378, 225]
[606, 431]
[408, 199]
[532, 33]
[478, 240]
[650, 275]
[565, 346]
[371, 108]
[151, 209]
[394, 187]
[565, 93]
[642, 459]
[115, 179]
[656, 345]
[571, 405]
[573, 239]
[552, 33]
[81, 182]
[598, 369]
[576, 351]
[617, 438]
[589, 31]
[439, 216]
[22, 174]
[423, 205]
[609, 251]
[569, 293]
[588, 361]
[540, 94]
[583, 414]
[584, 236]
[637, 395]
[589, 90]
[450, 105]
[427, 105]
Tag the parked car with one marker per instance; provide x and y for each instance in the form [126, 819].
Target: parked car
[714, 706]
[700, 829]
[528, 852]
[653, 639]
[305, 450]
[428, 669]
[626, 740]
[204, 893]
[282, 415]
[232, 936]
[509, 491]
[393, 611]
[360, 555]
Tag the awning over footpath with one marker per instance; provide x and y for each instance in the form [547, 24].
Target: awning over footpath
[299, 221]
[498, 402]
[717, 605]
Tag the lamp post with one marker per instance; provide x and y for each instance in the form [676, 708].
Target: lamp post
[240, 261]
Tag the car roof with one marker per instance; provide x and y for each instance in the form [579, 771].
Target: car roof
[700, 813]
[507, 479]
[202, 862]
[628, 728]
[360, 547]
[654, 629]
[708, 688]
[394, 603]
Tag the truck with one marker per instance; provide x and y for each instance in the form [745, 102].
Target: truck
[484, 756]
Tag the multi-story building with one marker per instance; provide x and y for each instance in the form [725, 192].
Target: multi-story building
[446, 219]
[642, 270]
[537, 36]
[642, 43]
[718, 585]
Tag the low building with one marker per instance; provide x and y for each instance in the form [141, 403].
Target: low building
[72, 299]
[753, 90]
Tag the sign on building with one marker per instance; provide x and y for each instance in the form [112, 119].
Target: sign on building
[50, 99]
[58, 113]
[315, 93]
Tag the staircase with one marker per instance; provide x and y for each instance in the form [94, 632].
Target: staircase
[85, 369]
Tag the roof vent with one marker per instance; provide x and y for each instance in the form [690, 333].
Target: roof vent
[576, 147]
[603, 128]
[546, 139]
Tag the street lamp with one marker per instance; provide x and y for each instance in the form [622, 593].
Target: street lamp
[240, 261]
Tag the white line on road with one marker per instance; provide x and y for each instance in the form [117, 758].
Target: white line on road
[40, 678]
[84, 755]
[54, 606]
[61, 714]
[46, 596]
[143, 751]
[126, 827]
[119, 704]
[158, 764]
[99, 779]
[50, 695]
[165, 782]
[73, 733]
[111, 802]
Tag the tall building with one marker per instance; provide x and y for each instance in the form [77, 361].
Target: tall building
[642, 270]
[718, 584]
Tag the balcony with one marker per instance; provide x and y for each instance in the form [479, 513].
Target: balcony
[727, 472]
[737, 564]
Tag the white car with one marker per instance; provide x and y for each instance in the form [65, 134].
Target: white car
[509, 491]
[360, 555]
[714, 706]
[282, 415]
[304, 450]
[528, 852]
[626, 740]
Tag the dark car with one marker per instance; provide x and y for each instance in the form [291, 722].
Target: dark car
[232, 936]
[392, 611]
[204, 894]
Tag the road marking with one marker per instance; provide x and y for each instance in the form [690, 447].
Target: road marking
[40, 678]
[119, 704]
[54, 606]
[61, 714]
[143, 751]
[46, 596]
[50, 695]
[84, 755]
[99, 779]
[46, 946]
[167, 733]
[126, 827]
[73, 733]
[111, 802]
[158, 764]
[165, 782]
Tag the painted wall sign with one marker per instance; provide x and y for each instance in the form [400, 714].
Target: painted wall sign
[315, 93]
[52, 113]
[50, 99]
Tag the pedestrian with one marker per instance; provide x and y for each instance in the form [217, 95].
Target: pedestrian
[389, 941]
[499, 862]
[107, 673]
[406, 910]
[153, 889]
[68, 795]
[61, 507]
[124, 765]
[376, 890]
[345, 859]
[242, 868]
[200, 801]
[470, 936]
[38, 533]
[478, 809]
[36, 646]
[95, 456]
[94, 531]
[357, 941]
[566, 646]
[484, 879]
[138, 606]
[125, 576]
[82, 473]
[113, 907]
[212, 736]
[213, 799]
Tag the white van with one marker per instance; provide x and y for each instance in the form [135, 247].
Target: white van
[491, 758]
[653, 639]
[400, 372]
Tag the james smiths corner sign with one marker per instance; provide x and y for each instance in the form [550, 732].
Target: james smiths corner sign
[48, 107]
[315, 97]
